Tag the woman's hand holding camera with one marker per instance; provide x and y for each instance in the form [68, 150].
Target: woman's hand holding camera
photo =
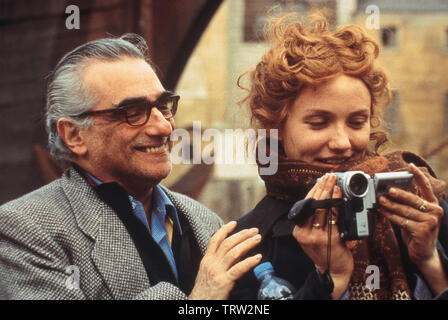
[419, 219]
[313, 237]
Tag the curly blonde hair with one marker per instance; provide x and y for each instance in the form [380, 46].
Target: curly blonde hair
[309, 53]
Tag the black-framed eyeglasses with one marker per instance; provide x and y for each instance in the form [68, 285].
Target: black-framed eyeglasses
[136, 111]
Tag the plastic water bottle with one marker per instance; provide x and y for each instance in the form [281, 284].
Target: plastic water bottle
[272, 287]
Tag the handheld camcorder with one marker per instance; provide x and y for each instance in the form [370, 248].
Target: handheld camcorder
[359, 197]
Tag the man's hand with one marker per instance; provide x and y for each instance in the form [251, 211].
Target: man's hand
[221, 265]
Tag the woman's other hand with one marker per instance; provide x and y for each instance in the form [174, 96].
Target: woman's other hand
[419, 219]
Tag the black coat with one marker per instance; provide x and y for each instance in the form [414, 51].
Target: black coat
[289, 260]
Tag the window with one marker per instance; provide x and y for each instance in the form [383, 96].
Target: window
[392, 115]
[389, 37]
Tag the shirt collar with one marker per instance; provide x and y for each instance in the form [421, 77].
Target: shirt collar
[97, 181]
[161, 203]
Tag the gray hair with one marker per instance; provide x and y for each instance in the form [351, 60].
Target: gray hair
[66, 94]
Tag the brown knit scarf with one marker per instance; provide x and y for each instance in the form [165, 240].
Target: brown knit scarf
[292, 183]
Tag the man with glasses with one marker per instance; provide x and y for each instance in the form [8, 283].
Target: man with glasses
[106, 229]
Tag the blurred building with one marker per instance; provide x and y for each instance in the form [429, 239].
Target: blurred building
[413, 38]
[207, 91]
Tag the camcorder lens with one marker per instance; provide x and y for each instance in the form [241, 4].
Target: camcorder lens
[358, 184]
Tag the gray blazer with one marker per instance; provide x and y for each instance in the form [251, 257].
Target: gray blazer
[65, 224]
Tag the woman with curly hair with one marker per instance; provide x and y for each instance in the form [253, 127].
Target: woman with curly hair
[323, 92]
